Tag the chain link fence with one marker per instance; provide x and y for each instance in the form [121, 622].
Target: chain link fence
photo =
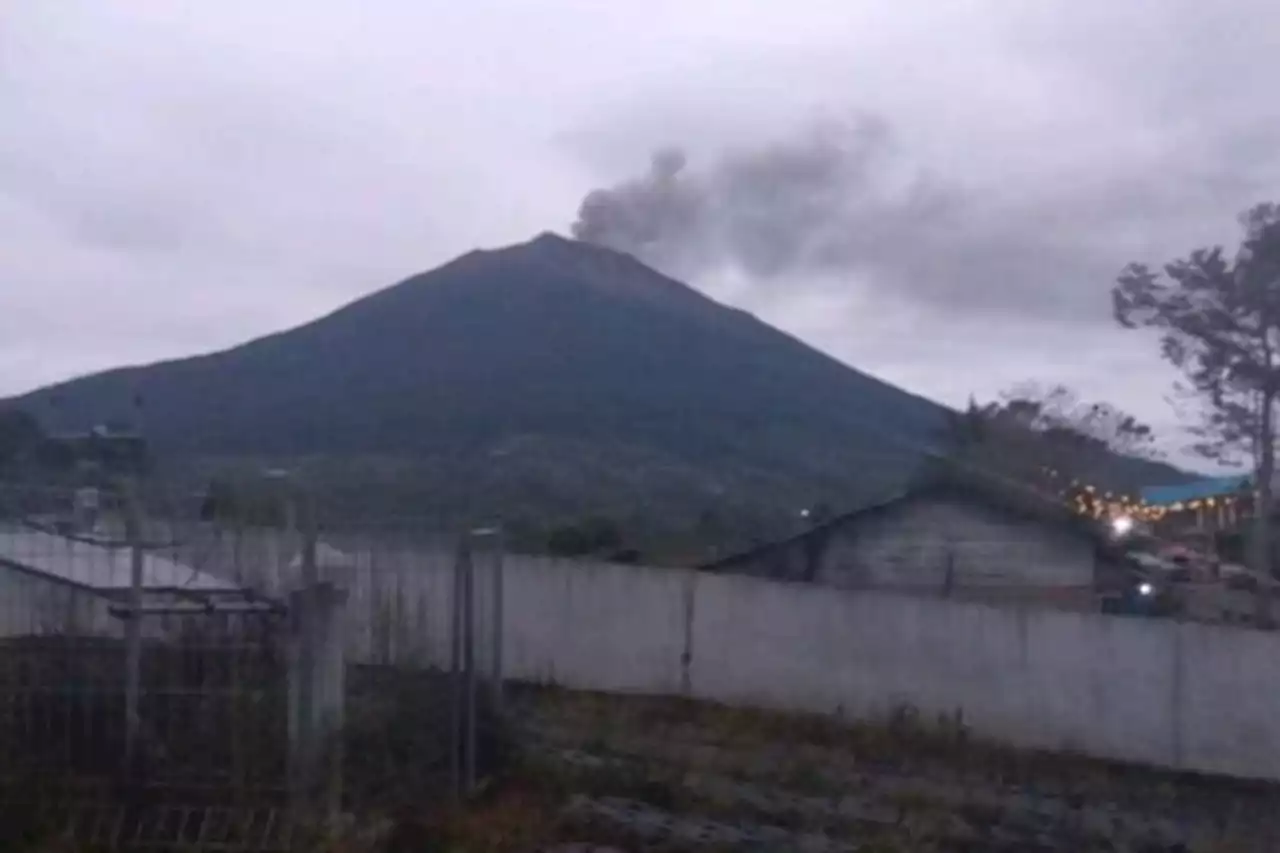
[168, 676]
[423, 644]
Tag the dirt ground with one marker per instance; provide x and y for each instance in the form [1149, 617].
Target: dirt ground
[633, 774]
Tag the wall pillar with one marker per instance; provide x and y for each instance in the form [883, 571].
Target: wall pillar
[316, 695]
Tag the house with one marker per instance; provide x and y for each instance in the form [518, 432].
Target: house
[70, 671]
[954, 534]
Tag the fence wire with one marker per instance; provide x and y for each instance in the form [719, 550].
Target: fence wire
[152, 660]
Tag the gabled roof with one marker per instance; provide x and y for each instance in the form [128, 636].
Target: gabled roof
[946, 478]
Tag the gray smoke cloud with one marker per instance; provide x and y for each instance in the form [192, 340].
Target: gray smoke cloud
[844, 202]
[820, 201]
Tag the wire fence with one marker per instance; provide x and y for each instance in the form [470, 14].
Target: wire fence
[170, 677]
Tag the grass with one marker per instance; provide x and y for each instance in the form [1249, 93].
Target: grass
[985, 785]
[934, 780]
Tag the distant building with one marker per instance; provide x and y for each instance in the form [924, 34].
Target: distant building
[1208, 505]
[114, 451]
[955, 535]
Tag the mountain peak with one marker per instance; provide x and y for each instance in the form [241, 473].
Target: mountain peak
[552, 239]
[624, 387]
[549, 245]
[601, 269]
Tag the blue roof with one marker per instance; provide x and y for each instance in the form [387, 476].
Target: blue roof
[1210, 487]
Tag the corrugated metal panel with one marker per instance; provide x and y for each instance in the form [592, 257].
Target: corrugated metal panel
[98, 567]
[1207, 488]
[31, 605]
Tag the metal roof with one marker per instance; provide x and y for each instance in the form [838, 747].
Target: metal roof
[327, 557]
[101, 568]
[1210, 487]
[990, 488]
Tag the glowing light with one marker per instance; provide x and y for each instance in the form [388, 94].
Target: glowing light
[1121, 525]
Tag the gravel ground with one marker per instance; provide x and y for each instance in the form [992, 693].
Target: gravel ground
[651, 775]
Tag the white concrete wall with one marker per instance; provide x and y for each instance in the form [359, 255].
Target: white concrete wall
[596, 626]
[1177, 695]
[1035, 678]
[1186, 696]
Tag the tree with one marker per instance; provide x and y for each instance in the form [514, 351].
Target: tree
[1218, 319]
[1059, 415]
[590, 536]
[242, 504]
[1050, 439]
[20, 437]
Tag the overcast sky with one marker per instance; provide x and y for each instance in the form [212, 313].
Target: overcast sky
[939, 198]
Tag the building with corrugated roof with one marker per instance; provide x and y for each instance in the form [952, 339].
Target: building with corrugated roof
[1209, 505]
[54, 584]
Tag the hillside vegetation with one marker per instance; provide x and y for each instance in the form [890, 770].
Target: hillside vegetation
[548, 380]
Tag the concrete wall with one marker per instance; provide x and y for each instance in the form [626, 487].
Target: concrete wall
[1036, 678]
[1172, 694]
[1158, 692]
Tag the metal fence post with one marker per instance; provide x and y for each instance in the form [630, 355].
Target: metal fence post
[489, 607]
[333, 669]
[302, 505]
[301, 698]
[497, 615]
[462, 752]
[469, 660]
[455, 674]
[133, 629]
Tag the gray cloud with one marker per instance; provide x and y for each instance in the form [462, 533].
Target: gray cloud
[813, 203]
[1038, 149]
[847, 203]
[181, 176]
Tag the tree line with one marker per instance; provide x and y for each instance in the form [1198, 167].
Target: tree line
[1214, 314]
[27, 452]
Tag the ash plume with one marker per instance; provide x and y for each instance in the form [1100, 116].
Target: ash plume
[820, 201]
[842, 204]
